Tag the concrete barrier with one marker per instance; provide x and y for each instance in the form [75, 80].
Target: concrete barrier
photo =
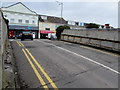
[102, 43]
[109, 34]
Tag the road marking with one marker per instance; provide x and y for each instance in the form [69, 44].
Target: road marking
[11, 40]
[21, 44]
[36, 72]
[100, 51]
[83, 57]
[18, 43]
[41, 69]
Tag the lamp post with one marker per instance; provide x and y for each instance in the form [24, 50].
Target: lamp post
[60, 3]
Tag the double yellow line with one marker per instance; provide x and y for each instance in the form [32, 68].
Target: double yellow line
[28, 55]
[20, 44]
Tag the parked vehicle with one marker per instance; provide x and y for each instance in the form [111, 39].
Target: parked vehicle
[18, 36]
[27, 35]
[52, 36]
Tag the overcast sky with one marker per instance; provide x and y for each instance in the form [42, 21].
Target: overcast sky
[89, 12]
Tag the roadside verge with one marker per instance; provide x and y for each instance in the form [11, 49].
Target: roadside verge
[9, 70]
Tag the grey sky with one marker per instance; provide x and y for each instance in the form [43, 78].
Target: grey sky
[94, 12]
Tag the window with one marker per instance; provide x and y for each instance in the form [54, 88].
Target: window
[26, 21]
[19, 20]
[76, 23]
[12, 20]
[5, 15]
[33, 22]
[47, 29]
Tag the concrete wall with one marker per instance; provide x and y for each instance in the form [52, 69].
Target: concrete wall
[6, 77]
[108, 39]
[94, 33]
[4, 32]
[3, 38]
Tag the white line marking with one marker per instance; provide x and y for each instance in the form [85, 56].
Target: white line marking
[82, 57]
[11, 40]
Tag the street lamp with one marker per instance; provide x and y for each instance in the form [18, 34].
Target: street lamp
[60, 3]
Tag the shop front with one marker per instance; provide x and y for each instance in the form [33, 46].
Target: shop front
[46, 34]
[15, 31]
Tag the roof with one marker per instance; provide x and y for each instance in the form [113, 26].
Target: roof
[14, 8]
[52, 19]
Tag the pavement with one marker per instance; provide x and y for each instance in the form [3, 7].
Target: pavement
[68, 65]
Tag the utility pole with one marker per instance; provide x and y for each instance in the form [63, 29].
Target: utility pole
[60, 3]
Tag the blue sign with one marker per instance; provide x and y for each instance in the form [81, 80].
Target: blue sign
[28, 28]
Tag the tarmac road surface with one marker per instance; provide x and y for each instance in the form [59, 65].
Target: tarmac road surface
[55, 64]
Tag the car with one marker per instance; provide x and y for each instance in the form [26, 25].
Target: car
[26, 35]
[18, 36]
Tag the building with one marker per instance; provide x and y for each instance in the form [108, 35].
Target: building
[21, 18]
[48, 24]
[76, 25]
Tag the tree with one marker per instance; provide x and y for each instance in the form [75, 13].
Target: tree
[60, 29]
[92, 25]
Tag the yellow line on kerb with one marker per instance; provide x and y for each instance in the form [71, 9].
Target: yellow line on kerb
[41, 69]
[18, 43]
[36, 72]
[101, 51]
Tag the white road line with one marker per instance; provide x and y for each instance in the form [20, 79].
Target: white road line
[11, 40]
[83, 57]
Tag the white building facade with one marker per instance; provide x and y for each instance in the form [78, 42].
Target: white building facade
[21, 18]
[76, 25]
